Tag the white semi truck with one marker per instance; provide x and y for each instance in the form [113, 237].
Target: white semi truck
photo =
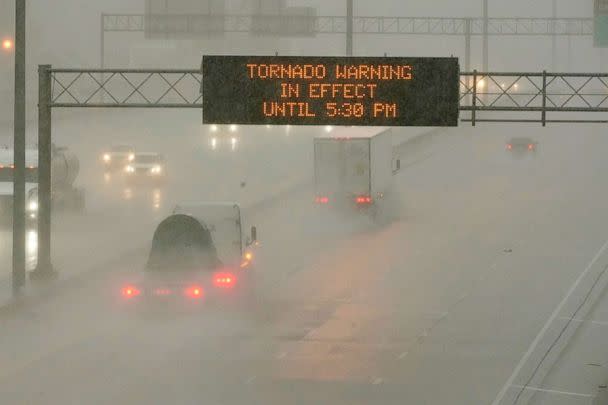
[354, 169]
[64, 195]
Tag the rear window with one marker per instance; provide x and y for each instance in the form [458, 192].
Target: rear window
[181, 243]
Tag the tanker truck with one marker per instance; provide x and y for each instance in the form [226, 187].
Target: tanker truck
[65, 167]
[64, 195]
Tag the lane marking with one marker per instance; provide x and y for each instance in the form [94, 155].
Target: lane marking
[377, 381]
[542, 332]
[557, 392]
[402, 355]
[602, 323]
[250, 380]
[281, 355]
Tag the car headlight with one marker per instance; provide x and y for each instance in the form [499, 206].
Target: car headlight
[131, 157]
[156, 170]
[129, 169]
[33, 206]
[233, 128]
[107, 157]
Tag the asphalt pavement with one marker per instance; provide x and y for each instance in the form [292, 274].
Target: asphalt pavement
[440, 306]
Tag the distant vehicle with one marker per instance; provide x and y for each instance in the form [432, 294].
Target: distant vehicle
[354, 168]
[117, 157]
[7, 169]
[223, 137]
[521, 144]
[146, 167]
[65, 196]
[198, 257]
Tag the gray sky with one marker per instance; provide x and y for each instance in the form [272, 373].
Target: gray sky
[66, 33]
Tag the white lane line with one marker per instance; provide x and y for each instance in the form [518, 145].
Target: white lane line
[542, 332]
[402, 355]
[602, 323]
[250, 380]
[377, 381]
[573, 394]
[281, 355]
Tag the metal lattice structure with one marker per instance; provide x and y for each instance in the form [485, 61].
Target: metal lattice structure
[516, 93]
[373, 25]
[512, 95]
[134, 88]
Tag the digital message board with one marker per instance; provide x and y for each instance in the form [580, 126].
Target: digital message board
[299, 90]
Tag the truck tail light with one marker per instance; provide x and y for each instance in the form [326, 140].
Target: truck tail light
[322, 200]
[130, 291]
[363, 199]
[224, 280]
[194, 292]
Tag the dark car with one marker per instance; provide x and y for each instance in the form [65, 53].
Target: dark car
[185, 269]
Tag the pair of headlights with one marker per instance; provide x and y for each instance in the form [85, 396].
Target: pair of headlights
[108, 158]
[154, 170]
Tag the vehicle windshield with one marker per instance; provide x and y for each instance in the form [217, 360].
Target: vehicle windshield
[147, 159]
[121, 148]
[182, 243]
[223, 222]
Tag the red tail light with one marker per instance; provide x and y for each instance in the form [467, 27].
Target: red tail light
[194, 292]
[224, 280]
[509, 146]
[363, 200]
[531, 146]
[130, 292]
[322, 200]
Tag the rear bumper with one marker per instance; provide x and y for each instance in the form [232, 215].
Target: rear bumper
[176, 302]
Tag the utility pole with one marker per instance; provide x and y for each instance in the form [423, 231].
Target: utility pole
[485, 36]
[18, 275]
[349, 27]
[554, 38]
[467, 45]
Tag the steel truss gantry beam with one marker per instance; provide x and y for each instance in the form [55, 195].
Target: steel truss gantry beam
[513, 92]
[372, 25]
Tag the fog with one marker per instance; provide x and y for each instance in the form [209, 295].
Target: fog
[475, 274]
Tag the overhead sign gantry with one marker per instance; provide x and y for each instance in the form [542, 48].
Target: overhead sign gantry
[300, 90]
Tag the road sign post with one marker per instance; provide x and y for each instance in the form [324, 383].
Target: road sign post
[44, 269]
[18, 275]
